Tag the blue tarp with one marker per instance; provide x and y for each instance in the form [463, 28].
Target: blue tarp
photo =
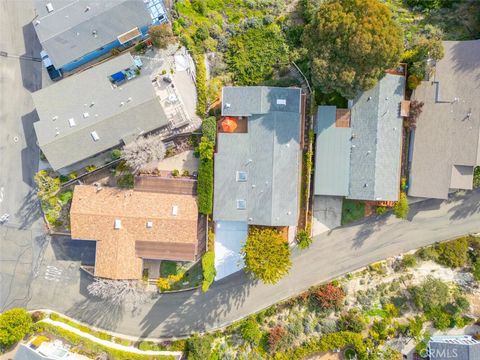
[117, 77]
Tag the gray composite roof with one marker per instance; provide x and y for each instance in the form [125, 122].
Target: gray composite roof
[66, 33]
[24, 352]
[269, 153]
[332, 154]
[376, 144]
[448, 129]
[458, 347]
[114, 113]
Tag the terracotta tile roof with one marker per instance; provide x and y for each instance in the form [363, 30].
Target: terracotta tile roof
[120, 251]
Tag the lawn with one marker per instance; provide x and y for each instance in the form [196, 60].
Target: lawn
[168, 268]
[192, 274]
[352, 210]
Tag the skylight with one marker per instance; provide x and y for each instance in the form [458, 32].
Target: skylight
[241, 176]
[241, 204]
[281, 101]
[118, 224]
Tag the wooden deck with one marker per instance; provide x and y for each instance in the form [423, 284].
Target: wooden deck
[166, 185]
[342, 118]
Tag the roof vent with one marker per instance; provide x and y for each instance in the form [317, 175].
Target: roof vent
[241, 176]
[95, 136]
[94, 33]
[85, 115]
[241, 204]
[57, 131]
[289, 213]
[87, 8]
[250, 219]
[365, 185]
[129, 99]
[92, 103]
[281, 101]
[117, 224]
[149, 224]
[49, 7]
[174, 210]
[227, 105]
[122, 103]
[55, 117]
[72, 122]
[369, 98]
[37, 22]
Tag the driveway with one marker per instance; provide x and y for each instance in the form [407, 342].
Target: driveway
[327, 213]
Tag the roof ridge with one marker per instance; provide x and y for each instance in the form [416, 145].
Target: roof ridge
[78, 213]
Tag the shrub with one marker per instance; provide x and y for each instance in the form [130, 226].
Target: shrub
[140, 47]
[90, 168]
[401, 208]
[209, 128]
[476, 270]
[266, 255]
[208, 267]
[116, 154]
[303, 239]
[380, 210]
[250, 331]
[37, 316]
[199, 347]
[352, 320]
[453, 253]
[14, 325]
[205, 186]
[329, 296]
[408, 261]
[430, 293]
[148, 345]
[275, 336]
[175, 172]
[126, 181]
[186, 173]
[65, 196]
[413, 81]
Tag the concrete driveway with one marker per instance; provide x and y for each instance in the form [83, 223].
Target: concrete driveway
[327, 213]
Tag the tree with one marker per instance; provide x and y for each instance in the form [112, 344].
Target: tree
[329, 296]
[14, 325]
[161, 35]
[266, 255]
[351, 43]
[199, 347]
[143, 151]
[250, 331]
[401, 208]
[209, 272]
[118, 292]
[453, 253]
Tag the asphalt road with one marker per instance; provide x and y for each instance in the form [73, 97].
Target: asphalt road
[331, 255]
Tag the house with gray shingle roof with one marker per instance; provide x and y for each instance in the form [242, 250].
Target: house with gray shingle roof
[446, 147]
[459, 347]
[257, 169]
[74, 32]
[96, 110]
[358, 154]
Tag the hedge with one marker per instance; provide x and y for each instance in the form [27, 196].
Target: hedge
[209, 128]
[205, 186]
[89, 347]
[209, 272]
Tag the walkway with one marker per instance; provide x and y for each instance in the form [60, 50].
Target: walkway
[331, 255]
[131, 349]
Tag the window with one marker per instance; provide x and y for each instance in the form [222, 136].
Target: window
[241, 204]
[95, 136]
[241, 176]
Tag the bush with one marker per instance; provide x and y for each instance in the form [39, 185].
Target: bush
[380, 210]
[408, 261]
[90, 168]
[175, 172]
[275, 336]
[126, 181]
[73, 175]
[161, 35]
[14, 325]
[199, 348]
[430, 293]
[186, 173]
[37, 316]
[209, 272]
[413, 82]
[303, 239]
[209, 128]
[116, 154]
[352, 320]
[453, 253]
[148, 345]
[401, 208]
[250, 331]
[329, 297]
[476, 270]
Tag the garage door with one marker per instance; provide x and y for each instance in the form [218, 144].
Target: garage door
[230, 236]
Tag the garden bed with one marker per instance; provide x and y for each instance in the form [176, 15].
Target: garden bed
[180, 275]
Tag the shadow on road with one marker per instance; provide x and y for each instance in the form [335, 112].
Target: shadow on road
[67, 249]
[425, 205]
[31, 69]
[467, 204]
[29, 211]
[368, 227]
[196, 316]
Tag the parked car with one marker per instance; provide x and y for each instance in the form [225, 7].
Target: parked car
[52, 72]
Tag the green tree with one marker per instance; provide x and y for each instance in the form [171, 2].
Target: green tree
[351, 43]
[250, 331]
[266, 255]
[453, 253]
[161, 35]
[14, 325]
[209, 272]
[401, 208]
